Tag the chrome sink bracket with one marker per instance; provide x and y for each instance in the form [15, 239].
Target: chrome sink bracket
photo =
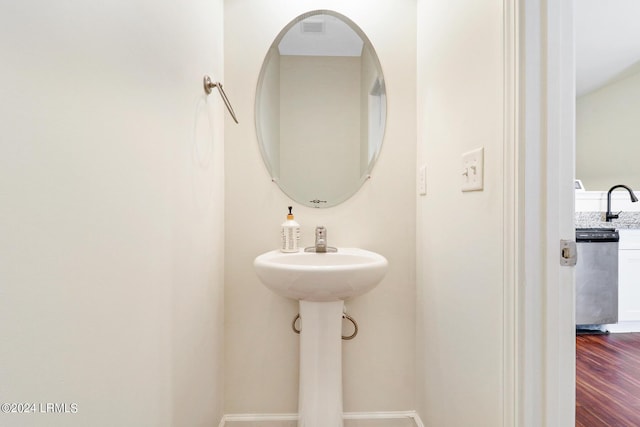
[355, 327]
[293, 324]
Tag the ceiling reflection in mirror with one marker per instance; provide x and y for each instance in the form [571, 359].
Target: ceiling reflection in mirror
[320, 109]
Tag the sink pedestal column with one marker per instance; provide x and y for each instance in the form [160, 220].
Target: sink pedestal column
[320, 393]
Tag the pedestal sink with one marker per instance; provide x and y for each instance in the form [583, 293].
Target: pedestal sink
[321, 282]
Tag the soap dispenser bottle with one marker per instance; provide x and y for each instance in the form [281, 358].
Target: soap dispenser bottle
[290, 234]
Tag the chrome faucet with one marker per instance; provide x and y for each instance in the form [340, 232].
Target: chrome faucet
[321, 239]
[321, 242]
[609, 215]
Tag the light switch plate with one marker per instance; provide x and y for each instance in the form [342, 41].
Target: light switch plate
[473, 170]
[422, 180]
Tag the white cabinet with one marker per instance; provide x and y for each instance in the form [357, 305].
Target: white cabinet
[629, 276]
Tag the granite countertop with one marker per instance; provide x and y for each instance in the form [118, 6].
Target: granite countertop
[626, 220]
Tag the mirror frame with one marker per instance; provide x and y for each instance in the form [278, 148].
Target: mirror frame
[366, 174]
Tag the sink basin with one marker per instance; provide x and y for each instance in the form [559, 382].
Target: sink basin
[311, 276]
[321, 282]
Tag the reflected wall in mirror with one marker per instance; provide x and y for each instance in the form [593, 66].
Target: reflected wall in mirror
[607, 64]
[608, 135]
[320, 109]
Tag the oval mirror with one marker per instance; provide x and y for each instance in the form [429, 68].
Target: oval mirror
[320, 109]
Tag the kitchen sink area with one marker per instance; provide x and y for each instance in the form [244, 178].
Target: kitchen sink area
[608, 268]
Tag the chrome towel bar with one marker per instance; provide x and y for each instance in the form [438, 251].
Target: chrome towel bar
[208, 87]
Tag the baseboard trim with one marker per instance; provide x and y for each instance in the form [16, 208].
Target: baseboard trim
[390, 415]
[624, 327]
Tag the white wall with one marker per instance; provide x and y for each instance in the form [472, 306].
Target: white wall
[261, 373]
[460, 235]
[111, 187]
[607, 135]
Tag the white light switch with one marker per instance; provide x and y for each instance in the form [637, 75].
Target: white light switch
[422, 180]
[473, 170]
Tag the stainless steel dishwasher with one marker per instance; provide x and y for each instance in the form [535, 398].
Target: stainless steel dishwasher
[597, 276]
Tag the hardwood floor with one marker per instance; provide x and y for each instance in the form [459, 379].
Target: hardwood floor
[608, 380]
